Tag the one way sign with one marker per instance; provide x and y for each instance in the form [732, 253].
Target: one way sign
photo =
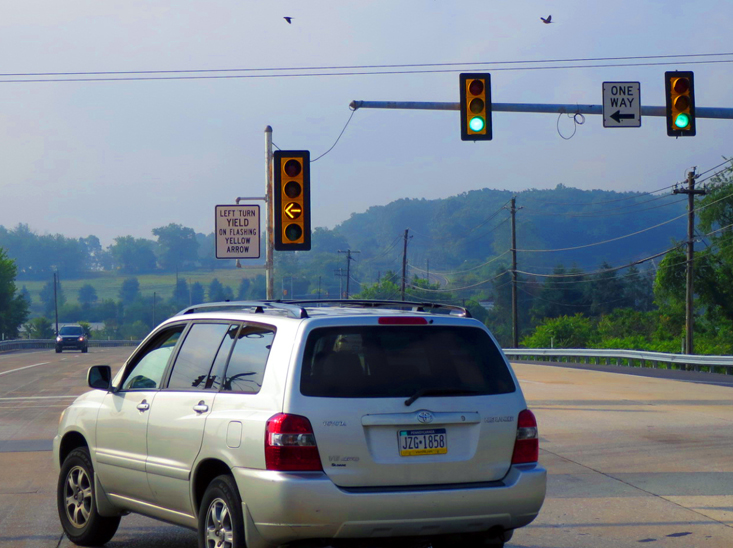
[621, 104]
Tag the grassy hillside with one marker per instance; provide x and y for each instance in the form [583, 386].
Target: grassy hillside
[107, 284]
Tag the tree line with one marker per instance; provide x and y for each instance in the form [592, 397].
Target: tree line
[174, 248]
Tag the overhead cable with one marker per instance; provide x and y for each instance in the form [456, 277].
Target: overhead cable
[21, 78]
[462, 271]
[621, 237]
[351, 67]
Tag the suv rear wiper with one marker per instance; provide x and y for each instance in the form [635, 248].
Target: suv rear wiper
[438, 392]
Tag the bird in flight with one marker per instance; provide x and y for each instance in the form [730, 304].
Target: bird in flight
[548, 20]
[288, 19]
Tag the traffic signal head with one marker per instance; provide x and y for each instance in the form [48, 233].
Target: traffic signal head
[292, 200]
[475, 89]
[680, 93]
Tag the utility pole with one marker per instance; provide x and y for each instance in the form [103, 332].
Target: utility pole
[56, 302]
[340, 274]
[269, 204]
[404, 264]
[349, 258]
[691, 191]
[154, 295]
[515, 312]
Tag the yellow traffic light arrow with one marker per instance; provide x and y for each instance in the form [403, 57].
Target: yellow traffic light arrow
[293, 210]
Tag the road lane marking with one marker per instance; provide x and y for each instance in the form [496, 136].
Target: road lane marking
[15, 354]
[26, 367]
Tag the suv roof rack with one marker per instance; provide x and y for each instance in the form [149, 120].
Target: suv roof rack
[258, 307]
[297, 309]
[399, 305]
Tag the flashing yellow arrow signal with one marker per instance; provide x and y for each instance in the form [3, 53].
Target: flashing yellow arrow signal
[293, 210]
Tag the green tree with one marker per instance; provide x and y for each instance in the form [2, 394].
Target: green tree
[197, 293]
[133, 255]
[13, 306]
[26, 295]
[39, 328]
[257, 289]
[181, 295]
[87, 329]
[638, 290]
[47, 297]
[561, 294]
[243, 289]
[178, 246]
[606, 291]
[130, 290]
[216, 291]
[87, 295]
[563, 332]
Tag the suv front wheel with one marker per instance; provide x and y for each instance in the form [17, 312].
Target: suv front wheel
[77, 504]
[220, 517]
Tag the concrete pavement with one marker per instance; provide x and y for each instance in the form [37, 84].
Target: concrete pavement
[632, 460]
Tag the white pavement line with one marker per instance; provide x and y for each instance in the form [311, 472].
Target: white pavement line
[26, 367]
[13, 354]
[38, 398]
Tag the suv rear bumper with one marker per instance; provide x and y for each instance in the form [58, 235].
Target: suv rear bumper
[285, 507]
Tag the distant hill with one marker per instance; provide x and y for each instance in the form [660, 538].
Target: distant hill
[471, 228]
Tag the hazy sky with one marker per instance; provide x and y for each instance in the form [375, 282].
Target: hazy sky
[118, 158]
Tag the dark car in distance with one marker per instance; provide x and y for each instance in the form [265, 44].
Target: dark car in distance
[72, 336]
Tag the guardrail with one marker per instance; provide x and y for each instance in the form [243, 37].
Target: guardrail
[28, 344]
[632, 358]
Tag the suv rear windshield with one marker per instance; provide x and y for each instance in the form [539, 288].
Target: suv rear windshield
[380, 362]
[71, 330]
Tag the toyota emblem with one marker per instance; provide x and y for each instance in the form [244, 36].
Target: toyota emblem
[425, 417]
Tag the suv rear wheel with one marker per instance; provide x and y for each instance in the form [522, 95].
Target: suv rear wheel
[77, 504]
[220, 516]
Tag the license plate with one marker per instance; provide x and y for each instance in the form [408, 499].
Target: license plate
[412, 443]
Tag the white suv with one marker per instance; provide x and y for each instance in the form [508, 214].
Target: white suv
[306, 424]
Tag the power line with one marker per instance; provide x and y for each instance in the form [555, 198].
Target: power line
[622, 237]
[716, 167]
[602, 271]
[603, 242]
[337, 139]
[578, 305]
[351, 67]
[166, 76]
[463, 271]
[462, 288]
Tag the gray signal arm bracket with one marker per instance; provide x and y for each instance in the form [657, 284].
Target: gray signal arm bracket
[700, 112]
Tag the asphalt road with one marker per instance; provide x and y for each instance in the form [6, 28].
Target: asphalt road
[632, 460]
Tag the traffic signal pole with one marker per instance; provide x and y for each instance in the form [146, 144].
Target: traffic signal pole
[700, 112]
[269, 246]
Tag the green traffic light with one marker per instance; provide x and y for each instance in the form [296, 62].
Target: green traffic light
[682, 120]
[477, 123]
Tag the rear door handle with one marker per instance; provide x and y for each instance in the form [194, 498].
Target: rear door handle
[143, 406]
[201, 407]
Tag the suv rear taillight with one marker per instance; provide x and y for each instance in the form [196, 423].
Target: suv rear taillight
[527, 446]
[290, 445]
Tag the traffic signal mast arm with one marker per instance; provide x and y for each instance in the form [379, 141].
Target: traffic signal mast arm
[700, 112]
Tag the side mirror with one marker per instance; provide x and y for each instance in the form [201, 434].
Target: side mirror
[100, 377]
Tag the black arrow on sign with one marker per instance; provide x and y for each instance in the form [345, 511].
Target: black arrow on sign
[618, 116]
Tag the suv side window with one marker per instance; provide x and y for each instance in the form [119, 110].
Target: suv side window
[147, 373]
[249, 358]
[203, 342]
